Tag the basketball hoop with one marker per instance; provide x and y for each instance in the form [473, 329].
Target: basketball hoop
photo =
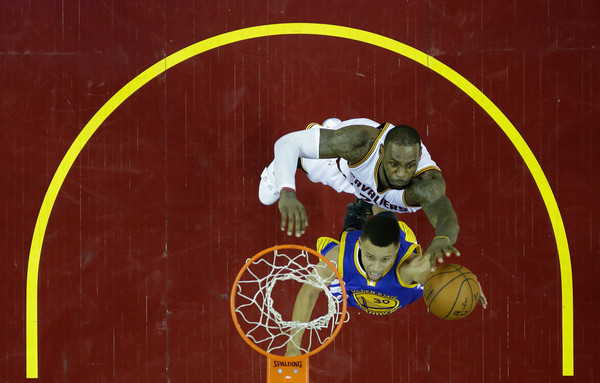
[261, 319]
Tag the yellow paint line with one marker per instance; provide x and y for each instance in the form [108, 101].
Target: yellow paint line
[31, 314]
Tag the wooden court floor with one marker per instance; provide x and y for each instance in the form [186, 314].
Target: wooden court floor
[129, 198]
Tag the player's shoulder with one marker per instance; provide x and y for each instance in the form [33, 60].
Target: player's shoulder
[406, 233]
[350, 142]
[430, 173]
[426, 187]
[358, 134]
[429, 181]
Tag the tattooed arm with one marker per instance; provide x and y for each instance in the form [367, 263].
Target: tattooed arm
[428, 190]
[351, 143]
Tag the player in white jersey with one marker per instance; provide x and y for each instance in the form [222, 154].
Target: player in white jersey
[384, 165]
[358, 178]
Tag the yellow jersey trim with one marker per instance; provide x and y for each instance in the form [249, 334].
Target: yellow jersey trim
[324, 241]
[341, 255]
[426, 169]
[412, 247]
[409, 235]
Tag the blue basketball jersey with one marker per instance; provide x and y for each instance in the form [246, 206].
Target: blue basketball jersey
[381, 297]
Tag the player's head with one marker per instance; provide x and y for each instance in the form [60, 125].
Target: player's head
[379, 243]
[400, 154]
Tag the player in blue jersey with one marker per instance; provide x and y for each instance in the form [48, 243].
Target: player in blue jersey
[381, 267]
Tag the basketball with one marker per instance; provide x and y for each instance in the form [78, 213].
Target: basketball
[451, 292]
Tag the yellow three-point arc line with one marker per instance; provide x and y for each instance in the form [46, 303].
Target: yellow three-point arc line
[291, 29]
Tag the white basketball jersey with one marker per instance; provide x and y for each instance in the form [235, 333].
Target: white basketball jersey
[363, 177]
[360, 179]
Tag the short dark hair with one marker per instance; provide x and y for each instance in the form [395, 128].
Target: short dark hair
[381, 230]
[402, 135]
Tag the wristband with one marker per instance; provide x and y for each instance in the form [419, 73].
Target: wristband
[288, 189]
[442, 236]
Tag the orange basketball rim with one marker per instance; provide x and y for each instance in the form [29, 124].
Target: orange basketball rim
[282, 369]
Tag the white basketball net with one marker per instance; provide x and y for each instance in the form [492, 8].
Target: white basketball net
[254, 293]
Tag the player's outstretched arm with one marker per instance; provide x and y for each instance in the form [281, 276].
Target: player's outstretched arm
[350, 143]
[306, 299]
[415, 269]
[293, 213]
[303, 308]
[287, 150]
[429, 191]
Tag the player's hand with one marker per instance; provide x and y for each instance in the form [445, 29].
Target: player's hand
[439, 247]
[482, 298]
[417, 262]
[293, 214]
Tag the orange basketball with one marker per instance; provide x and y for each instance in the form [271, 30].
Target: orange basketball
[451, 292]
